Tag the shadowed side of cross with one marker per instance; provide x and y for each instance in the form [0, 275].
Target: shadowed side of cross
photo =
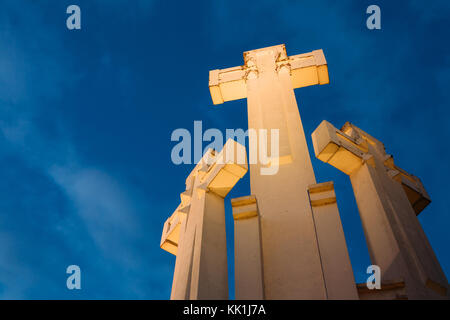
[195, 232]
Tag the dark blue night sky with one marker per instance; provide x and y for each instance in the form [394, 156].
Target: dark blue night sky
[86, 117]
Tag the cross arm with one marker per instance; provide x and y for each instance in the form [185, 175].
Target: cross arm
[305, 69]
[348, 152]
[227, 168]
[217, 173]
[338, 149]
[171, 232]
[414, 189]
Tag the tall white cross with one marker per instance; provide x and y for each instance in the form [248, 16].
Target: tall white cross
[292, 264]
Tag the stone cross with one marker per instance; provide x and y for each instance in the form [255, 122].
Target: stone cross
[388, 200]
[195, 232]
[290, 262]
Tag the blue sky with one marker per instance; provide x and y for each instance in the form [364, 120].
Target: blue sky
[86, 118]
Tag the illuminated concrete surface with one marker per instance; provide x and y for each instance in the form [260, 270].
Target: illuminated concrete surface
[248, 269]
[337, 268]
[291, 260]
[195, 233]
[388, 200]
